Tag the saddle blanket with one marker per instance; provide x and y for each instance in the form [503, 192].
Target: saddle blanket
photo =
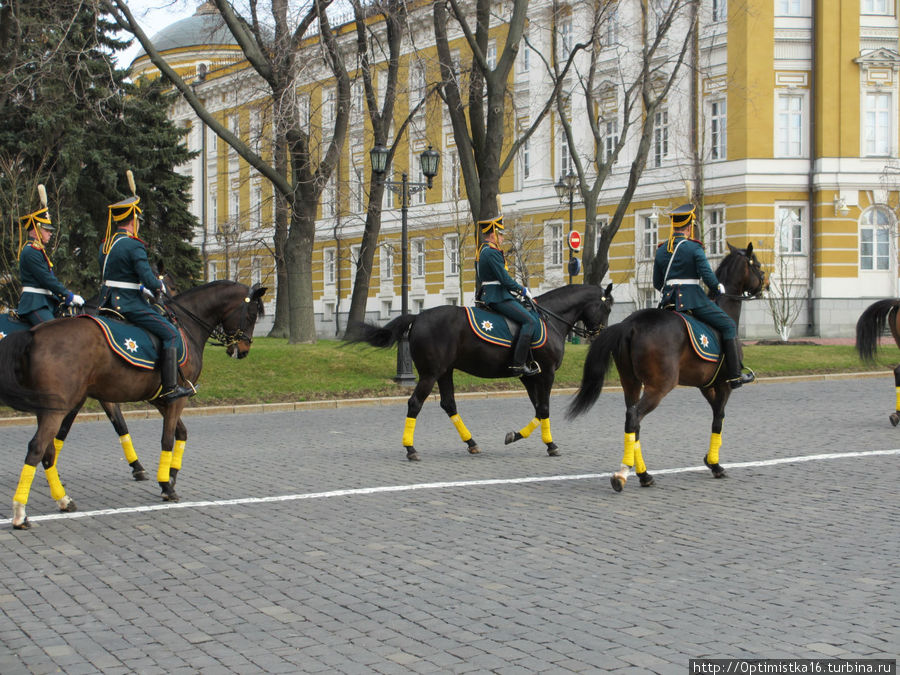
[704, 339]
[9, 325]
[134, 345]
[492, 327]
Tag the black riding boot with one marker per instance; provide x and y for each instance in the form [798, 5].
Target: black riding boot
[520, 353]
[733, 373]
[170, 387]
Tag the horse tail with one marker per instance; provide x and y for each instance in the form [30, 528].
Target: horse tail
[596, 366]
[13, 353]
[870, 327]
[381, 336]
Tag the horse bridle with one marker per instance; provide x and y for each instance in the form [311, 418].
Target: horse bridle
[217, 333]
[746, 295]
[572, 327]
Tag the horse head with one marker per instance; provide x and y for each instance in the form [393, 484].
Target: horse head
[595, 315]
[237, 326]
[741, 272]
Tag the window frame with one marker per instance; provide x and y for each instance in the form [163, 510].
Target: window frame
[876, 229]
[801, 235]
[783, 145]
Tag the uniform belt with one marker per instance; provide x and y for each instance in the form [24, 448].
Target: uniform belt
[122, 284]
[490, 283]
[32, 289]
[682, 282]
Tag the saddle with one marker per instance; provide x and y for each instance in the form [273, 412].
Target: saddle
[497, 329]
[705, 340]
[11, 323]
[133, 344]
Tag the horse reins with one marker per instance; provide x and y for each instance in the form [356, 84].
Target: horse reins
[217, 333]
[580, 332]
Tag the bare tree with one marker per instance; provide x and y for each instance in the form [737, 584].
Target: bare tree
[628, 96]
[299, 169]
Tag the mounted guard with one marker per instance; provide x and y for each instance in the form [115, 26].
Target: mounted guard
[497, 292]
[127, 281]
[40, 287]
[678, 268]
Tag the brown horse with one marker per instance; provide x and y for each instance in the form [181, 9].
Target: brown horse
[653, 354]
[51, 371]
[869, 329]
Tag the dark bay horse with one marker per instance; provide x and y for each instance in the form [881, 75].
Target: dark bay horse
[653, 354]
[51, 371]
[441, 341]
[869, 329]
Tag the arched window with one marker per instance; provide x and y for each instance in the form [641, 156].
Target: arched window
[875, 239]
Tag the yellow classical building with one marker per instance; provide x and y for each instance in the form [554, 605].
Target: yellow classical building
[785, 112]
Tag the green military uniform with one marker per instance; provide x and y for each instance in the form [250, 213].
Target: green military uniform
[497, 289]
[678, 268]
[126, 279]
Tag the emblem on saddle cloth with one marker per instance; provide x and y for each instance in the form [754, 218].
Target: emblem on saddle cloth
[9, 325]
[494, 328]
[134, 345]
[704, 339]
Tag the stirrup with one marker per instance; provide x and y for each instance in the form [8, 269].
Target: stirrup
[526, 369]
[175, 393]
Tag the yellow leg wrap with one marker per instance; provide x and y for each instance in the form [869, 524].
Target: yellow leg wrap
[24, 487]
[128, 448]
[57, 491]
[525, 431]
[57, 445]
[898, 399]
[409, 430]
[178, 454]
[165, 462]
[460, 428]
[546, 436]
[639, 466]
[628, 455]
[715, 442]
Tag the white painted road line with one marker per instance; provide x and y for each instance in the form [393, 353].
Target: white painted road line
[353, 492]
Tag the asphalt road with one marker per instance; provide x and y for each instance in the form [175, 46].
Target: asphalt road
[305, 542]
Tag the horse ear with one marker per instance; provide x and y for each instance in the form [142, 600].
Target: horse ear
[750, 248]
[257, 291]
[608, 290]
[731, 249]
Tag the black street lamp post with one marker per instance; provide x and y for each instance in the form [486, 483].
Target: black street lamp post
[429, 160]
[565, 190]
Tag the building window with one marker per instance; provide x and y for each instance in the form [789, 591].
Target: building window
[418, 258]
[790, 126]
[554, 240]
[328, 311]
[792, 8]
[213, 271]
[255, 270]
[610, 140]
[526, 54]
[565, 38]
[649, 238]
[256, 207]
[715, 232]
[387, 262]
[875, 240]
[451, 255]
[611, 38]
[660, 136]
[491, 55]
[717, 120]
[526, 159]
[791, 229]
[355, 250]
[719, 10]
[386, 308]
[878, 7]
[330, 256]
[418, 305]
[877, 128]
[565, 159]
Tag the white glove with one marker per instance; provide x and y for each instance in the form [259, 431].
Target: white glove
[146, 291]
[162, 287]
[526, 293]
[77, 300]
[721, 289]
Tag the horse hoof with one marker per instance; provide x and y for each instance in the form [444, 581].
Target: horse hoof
[895, 419]
[717, 470]
[617, 482]
[140, 475]
[169, 496]
[68, 508]
[411, 454]
[474, 450]
[553, 450]
[511, 437]
[24, 525]
[646, 479]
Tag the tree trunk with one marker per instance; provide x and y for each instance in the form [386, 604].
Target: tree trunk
[298, 257]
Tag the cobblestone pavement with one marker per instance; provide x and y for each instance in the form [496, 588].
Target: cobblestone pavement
[560, 574]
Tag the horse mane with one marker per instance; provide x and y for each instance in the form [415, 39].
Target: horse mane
[221, 283]
[729, 263]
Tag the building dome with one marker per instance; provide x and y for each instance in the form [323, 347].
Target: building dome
[205, 28]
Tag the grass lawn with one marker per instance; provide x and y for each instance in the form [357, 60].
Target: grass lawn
[276, 371]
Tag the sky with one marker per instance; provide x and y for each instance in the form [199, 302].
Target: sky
[153, 16]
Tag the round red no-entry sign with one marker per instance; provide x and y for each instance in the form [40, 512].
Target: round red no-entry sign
[575, 240]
